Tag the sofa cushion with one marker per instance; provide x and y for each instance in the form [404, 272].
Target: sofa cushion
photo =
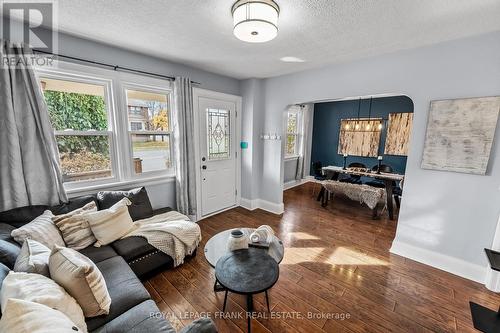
[33, 258]
[98, 254]
[4, 271]
[73, 204]
[139, 319]
[140, 207]
[131, 248]
[29, 317]
[41, 229]
[125, 290]
[5, 231]
[110, 224]
[151, 264]
[8, 253]
[40, 289]
[18, 217]
[74, 228]
[82, 279]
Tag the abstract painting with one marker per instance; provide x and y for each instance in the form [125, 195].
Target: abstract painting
[397, 140]
[460, 134]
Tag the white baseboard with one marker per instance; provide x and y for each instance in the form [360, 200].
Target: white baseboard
[294, 182]
[248, 204]
[262, 204]
[446, 263]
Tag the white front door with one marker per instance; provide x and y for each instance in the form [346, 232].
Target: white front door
[217, 154]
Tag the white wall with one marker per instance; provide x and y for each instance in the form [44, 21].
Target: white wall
[252, 91]
[446, 218]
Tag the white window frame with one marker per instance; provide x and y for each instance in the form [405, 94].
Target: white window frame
[115, 83]
[156, 90]
[298, 132]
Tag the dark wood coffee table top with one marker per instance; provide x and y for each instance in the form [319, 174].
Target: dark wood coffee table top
[248, 271]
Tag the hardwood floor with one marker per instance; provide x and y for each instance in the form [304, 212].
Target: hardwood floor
[337, 264]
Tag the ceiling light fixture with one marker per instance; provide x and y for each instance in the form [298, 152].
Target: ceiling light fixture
[292, 59]
[255, 21]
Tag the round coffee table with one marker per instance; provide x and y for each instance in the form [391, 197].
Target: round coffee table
[216, 246]
[247, 272]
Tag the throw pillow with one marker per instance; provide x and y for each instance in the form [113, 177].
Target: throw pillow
[74, 227]
[29, 317]
[82, 279]
[41, 229]
[140, 207]
[8, 253]
[111, 224]
[33, 258]
[40, 289]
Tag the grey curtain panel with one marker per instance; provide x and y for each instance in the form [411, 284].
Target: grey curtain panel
[29, 159]
[184, 156]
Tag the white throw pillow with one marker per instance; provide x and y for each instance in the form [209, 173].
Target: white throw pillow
[111, 224]
[33, 258]
[41, 229]
[40, 289]
[28, 317]
[82, 279]
[74, 227]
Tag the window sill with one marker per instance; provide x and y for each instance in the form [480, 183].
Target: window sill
[291, 158]
[91, 189]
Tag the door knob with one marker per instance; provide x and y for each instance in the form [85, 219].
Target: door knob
[203, 159]
[204, 167]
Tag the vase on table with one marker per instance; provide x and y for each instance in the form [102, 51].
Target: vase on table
[237, 240]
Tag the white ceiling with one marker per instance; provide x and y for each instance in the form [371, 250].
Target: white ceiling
[199, 32]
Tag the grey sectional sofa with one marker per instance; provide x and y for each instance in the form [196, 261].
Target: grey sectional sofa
[122, 263]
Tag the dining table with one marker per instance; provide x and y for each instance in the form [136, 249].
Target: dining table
[333, 172]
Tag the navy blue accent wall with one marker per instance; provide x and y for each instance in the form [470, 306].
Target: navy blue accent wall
[326, 127]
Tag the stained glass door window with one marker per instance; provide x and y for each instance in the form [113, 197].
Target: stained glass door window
[218, 131]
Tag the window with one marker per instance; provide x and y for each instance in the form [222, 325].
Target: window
[103, 139]
[293, 135]
[79, 115]
[135, 126]
[218, 131]
[151, 142]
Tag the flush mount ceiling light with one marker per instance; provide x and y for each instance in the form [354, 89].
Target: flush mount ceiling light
[255, 21]
[292, 59]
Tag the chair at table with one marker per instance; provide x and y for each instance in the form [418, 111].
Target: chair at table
[318, 175]
[353, 179]
[376, 182]
[396, 190]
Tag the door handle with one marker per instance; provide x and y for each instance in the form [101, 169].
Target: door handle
[204, 167]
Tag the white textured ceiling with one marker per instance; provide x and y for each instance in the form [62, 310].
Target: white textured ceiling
[199, 32]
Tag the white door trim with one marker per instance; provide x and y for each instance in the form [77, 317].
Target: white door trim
[197, 93]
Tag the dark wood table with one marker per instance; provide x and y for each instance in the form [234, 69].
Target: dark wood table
[247, 272]
[333, 173]
[216, 247]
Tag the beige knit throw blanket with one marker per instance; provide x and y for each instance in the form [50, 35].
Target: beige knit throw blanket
[172, 233]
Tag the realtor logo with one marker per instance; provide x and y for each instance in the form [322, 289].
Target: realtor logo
[32, 23]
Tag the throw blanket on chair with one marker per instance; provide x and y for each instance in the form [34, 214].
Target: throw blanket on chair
[172, 233]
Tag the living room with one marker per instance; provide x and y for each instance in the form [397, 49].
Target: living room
[237, 166]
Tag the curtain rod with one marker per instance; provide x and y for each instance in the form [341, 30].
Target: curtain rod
[114, 67]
